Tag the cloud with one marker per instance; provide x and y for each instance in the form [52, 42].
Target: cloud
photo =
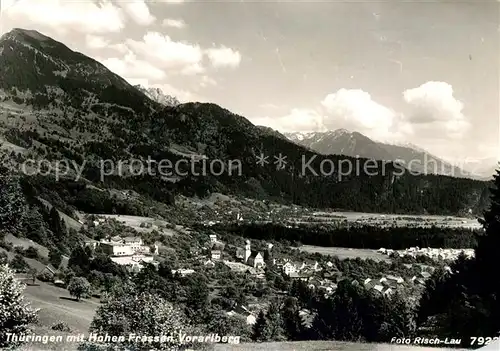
[297, 119]
[174, 23]
[163, 52]
[138, 10]
[355, 109]
[171, 1]
[224, 57]
[435, 116]
[95, 42]
[59, 16]
[434, 110]
[180, 57]
[132, 67]
[206, 81]
[270, 106]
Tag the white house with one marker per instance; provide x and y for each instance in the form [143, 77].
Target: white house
[118, 246]
[387, 292]
[134, 263]
[213, 238]
[289, 268]
[183, 272]
[116, 249]
[215, 255]
[256, 260]
[393, 278]
[251, 319]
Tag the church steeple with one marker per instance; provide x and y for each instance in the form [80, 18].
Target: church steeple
[248, 250]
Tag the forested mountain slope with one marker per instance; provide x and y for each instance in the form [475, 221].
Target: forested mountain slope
[57, 104]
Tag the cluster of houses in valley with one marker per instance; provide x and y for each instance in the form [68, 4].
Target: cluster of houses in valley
[130, 252]
[327, 285]
[443, 254]
[246, 258]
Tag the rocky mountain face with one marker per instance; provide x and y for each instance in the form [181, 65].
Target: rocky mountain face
[57, 104]
[156, 94]
[43, 73]
[354, 144]
[341, 142]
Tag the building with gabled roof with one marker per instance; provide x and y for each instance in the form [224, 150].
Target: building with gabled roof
[256, 259]
[215, 255]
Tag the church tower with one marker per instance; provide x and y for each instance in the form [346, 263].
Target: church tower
[248, 251]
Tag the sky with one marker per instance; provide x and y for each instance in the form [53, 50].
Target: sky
[425, 72]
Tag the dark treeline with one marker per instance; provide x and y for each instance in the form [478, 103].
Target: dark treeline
[360, 237]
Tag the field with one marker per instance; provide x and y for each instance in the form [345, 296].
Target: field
[136, 221]
[385, 220]
[344, 253]
[55, 306]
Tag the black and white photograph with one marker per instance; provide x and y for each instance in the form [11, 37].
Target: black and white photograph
[240, 175]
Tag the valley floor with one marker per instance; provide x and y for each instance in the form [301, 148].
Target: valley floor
[344, 253]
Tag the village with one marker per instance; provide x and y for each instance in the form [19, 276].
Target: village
[321, 276]
[443, 254]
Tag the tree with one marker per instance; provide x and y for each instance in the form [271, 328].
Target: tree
[4, 258]
[19, 264]
[56, 224]
[33, 273]
[12, 203]
[235, 294]
[260, 328]
[15, 314]
[79, 261]
[55, 257]
[487, 258]
[32, 252]
[467, 302]
[223, 324]
[34, 226]
[196, 297]
[275, 323]
[291, 319]
[79, 287]
[340, 317]
[141, 314]
[402, 318]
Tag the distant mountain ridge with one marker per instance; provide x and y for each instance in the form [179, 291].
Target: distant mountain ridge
[354, 144]
[156, 94]
[341, 142]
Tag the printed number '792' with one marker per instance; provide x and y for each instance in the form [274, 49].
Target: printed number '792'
[481, 341]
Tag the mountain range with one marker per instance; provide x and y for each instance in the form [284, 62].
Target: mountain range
[58, 104]
[354, 144]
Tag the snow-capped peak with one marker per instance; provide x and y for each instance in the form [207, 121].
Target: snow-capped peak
[156, 94]
[340, 132]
